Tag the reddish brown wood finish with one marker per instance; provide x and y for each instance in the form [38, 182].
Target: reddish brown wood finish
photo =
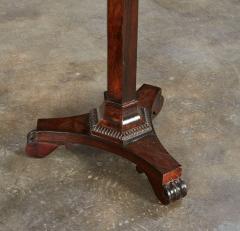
[123, 124]
[122, 50]
[120, 99]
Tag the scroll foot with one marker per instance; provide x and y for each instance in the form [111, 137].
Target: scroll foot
[38, 149]
[175, 190]
[170, 192]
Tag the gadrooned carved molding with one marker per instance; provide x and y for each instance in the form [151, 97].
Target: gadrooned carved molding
[122, 136]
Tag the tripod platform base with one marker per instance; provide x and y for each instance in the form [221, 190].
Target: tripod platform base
[150, 157]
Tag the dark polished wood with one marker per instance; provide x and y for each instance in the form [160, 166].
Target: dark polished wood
[122, 50]
[123, 123]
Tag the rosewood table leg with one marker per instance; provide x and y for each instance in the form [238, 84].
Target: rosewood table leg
[123, 123]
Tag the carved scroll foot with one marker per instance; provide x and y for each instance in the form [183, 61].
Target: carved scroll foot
[172, 191]
[175, 190]
[38, 149]
[169, 192]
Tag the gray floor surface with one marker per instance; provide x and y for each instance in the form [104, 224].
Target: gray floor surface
[53, 64]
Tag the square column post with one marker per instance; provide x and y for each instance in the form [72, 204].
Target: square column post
[122, 50]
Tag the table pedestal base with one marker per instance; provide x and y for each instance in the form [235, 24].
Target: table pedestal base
[144, 149]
